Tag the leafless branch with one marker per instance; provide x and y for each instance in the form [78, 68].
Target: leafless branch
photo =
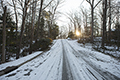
[48, 4]
[97, 3]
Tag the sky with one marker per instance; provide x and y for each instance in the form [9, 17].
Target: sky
[66, 7]
[70, 6]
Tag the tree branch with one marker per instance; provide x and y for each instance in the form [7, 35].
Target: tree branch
[10, 4]
[20, 3]
[48, 4]
[89, 2]
[97, 4]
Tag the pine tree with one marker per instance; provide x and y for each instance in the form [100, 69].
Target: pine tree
[11, 44]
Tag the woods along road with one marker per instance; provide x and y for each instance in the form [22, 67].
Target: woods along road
[67, 60]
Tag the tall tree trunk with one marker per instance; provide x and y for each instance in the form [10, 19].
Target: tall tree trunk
[16, 17]
[48, 22]
[118, 31]
[118, 37]
[91, 2]
[22, 28]
[109, 37]
[38, 24]
[33, 24]
[4, 35]
[104, 22]
[92, 23]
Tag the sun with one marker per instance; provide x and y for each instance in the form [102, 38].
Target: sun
[77, 33]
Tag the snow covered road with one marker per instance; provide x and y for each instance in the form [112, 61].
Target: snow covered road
[66, 60]
[81, 67]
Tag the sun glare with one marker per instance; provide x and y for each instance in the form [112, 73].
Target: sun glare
[77, 33]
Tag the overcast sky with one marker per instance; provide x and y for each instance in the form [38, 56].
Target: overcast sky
[70, 5]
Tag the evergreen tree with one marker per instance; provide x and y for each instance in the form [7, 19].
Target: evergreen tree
[71, 35]
[54, 31]
[42, 31]
[11, 44]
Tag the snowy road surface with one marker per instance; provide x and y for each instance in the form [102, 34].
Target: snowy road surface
[66, 60]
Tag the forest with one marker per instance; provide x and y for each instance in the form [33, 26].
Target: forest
[26, 26]
[98, 25]
[30, 25]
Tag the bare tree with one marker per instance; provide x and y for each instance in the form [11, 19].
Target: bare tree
[38, 24]
[85, 19]
[118, 24]
[2, 4]
[75, 20]
[4, 35]
[104, 22]
[33, 23]
[71, 17]
[53, 11]
[91, 2]
[109, 36]
[78, 21]
[24, 10]
[16, 16]
[39, 17]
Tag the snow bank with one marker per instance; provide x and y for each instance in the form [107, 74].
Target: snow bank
[19, 61]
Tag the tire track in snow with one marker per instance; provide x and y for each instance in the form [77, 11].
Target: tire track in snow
[51, 68]
[66, 73]
[89, 69]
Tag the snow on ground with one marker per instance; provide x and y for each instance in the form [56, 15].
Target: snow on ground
[35, 69]
[19, 61]
[112, 50]
[78, 67]
[81, 63]
[99, 59]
